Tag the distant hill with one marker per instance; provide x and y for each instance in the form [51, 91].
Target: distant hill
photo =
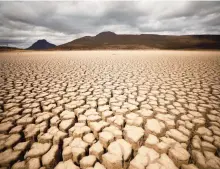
[110, 40]
[6, 48]
[41, 45]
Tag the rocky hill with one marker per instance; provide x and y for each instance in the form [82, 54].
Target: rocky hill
[110, 40]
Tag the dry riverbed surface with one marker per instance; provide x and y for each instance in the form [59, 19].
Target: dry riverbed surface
[110, 109]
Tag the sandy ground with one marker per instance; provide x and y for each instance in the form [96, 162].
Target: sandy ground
[110, 109]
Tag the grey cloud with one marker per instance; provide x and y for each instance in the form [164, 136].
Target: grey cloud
[21, 23]
[122, 13]
[194, 8]
[10, 41]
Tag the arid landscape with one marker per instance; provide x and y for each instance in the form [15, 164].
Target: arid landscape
[109, 84]
[144, 109]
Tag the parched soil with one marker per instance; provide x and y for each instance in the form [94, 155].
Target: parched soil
[110, 109]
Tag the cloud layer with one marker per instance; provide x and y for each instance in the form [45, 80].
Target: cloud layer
[22, 23]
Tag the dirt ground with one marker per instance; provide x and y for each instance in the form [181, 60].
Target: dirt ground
[111, 109]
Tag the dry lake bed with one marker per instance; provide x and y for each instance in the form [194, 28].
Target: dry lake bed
[110, 109]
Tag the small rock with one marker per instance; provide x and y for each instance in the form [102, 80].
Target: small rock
[106, 138]
[134, 135]
[179, 155]
[49, 160]
[87, 161]
[110, 161]
[96, 150]
[33, 163]
[153, 126]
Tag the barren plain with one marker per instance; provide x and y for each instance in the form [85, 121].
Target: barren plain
[110, 109]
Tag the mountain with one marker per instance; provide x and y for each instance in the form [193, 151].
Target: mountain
[110, 40]
[41, 45]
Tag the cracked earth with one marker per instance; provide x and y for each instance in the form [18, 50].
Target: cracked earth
[110, 109]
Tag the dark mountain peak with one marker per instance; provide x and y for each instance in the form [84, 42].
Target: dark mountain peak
[106, 33]
[41, 45]
[42, 40]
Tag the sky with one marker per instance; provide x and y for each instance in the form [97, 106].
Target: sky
[23, 23]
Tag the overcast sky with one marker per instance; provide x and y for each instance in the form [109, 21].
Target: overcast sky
[22, 23]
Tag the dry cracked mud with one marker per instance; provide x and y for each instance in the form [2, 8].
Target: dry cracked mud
[110, 109]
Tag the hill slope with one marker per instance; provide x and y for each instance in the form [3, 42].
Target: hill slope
[110, 40]
[41, 45]
[6, 48]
